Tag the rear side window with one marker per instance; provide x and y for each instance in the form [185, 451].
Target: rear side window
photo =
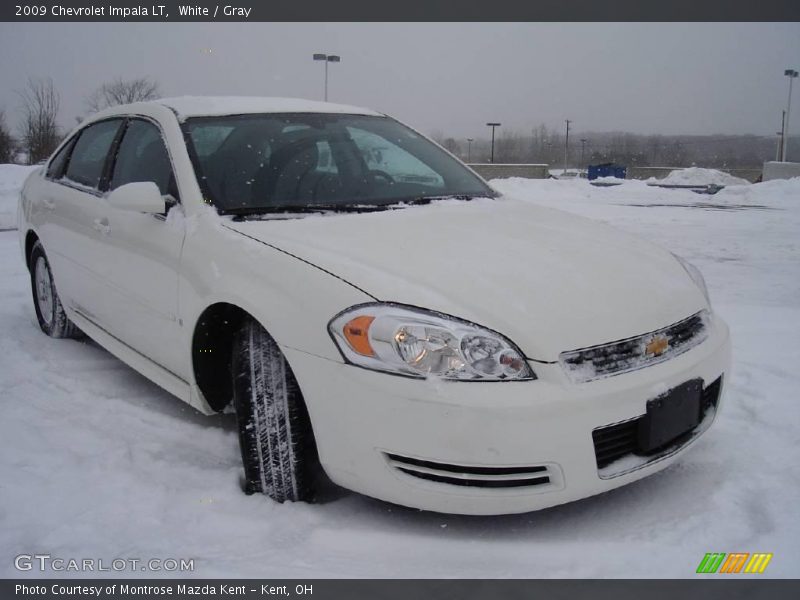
[89, 154]
[142, 156]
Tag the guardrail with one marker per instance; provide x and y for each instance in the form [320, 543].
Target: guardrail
[501, 171]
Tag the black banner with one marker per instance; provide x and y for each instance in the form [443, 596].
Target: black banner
[407, 10]
[745, 588]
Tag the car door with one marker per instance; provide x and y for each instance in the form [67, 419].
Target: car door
[69, 223]
[142, 253]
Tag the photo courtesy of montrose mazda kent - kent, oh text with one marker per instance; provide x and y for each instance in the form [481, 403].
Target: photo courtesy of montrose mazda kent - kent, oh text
[366, 303]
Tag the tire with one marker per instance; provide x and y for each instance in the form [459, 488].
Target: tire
[53, 320]
[275, 434]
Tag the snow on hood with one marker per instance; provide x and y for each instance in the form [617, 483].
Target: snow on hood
[548, 280]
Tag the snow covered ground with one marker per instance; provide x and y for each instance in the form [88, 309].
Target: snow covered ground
[97, 462]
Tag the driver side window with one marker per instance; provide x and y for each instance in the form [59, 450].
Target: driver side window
[143, 156]
[89, 153]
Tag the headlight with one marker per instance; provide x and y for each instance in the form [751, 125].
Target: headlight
[418, 343]
[696, 276]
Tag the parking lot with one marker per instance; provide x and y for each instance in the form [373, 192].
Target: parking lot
[97, 461]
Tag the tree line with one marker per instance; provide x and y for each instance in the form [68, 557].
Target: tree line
[547, 146]
[39, 133]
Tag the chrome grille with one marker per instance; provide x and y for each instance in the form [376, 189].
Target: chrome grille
[630, 354]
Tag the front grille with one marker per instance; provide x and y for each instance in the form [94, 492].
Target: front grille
[710, 395]
[616, 441]
[471, 476]
[626, 355]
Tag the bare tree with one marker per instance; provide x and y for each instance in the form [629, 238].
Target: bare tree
[121, 91]
[437, 136]
[451, 145]
[7, 144]
[40, 132]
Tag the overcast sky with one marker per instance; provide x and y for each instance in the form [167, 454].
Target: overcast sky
[452, 78]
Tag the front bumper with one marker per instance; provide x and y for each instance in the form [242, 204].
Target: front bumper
[370, 425]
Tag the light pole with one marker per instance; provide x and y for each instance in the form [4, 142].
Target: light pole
[583, 147]
[566, 145]
[492, 125]
[791, 74]
[779, 153]
[469, 150]
[327, 58]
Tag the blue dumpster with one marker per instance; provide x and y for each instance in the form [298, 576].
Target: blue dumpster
[607, 170]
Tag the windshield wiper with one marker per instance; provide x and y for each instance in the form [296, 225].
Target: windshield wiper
[429, 199]
[243, 211]
[289, 209]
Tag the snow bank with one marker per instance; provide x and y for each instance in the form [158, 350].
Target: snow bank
[11, 179]
[775, 193]
[608, 179]
[699, 176]
[778, 193]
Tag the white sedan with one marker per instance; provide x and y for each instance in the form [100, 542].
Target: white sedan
[367, 303]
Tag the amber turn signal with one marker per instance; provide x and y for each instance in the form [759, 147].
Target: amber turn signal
[356, 333]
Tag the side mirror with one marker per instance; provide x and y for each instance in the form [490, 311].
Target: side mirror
[143, 197]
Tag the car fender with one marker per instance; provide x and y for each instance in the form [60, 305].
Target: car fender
[294, 300]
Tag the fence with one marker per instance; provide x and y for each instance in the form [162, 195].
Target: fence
[500, 171]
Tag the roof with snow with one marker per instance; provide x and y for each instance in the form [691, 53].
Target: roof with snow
[197, 106]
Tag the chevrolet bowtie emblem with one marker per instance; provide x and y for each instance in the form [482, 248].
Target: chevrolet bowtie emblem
[657, 346]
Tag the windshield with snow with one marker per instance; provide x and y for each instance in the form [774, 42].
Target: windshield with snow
[299, 162]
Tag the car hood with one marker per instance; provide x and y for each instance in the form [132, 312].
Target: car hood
[548, 280]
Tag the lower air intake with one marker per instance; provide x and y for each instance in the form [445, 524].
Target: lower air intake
[471, 476]
[613, 442]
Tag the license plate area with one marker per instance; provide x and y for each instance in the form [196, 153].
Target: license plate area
[670, 415]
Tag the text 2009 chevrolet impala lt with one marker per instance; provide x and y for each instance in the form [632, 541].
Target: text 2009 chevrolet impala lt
[357, 294]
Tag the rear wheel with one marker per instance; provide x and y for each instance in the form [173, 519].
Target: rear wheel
[53, 320]
[274, 429]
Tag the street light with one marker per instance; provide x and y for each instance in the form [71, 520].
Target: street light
[583, 147]
[779, 152]
[327, 58]
[791, 74]
[469, 149]
[492, 125]
[566, 146]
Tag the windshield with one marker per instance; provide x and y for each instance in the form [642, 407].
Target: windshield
[282, 162]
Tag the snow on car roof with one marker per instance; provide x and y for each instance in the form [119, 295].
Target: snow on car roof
[196, 106]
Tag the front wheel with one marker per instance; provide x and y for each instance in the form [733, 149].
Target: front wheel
[53, 320]
[274, 429]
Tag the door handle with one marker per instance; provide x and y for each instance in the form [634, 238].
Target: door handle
[102, 226]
